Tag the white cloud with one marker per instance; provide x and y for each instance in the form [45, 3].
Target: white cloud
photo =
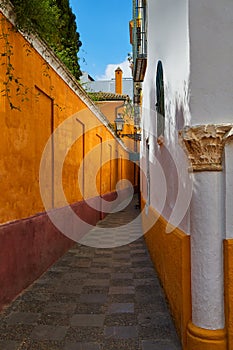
[110, 71]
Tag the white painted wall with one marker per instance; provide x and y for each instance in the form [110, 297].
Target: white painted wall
[167, 41]
[109, 86]
[211, 48]
[193, 39]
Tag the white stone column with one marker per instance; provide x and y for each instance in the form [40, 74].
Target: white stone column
[204, 145]
[207, 234]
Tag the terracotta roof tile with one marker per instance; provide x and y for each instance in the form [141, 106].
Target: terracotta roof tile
[107, 96]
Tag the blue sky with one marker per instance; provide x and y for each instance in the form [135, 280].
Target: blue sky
[104, 31]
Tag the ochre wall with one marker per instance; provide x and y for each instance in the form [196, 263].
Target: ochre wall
[29, 242]
[228, 276]
[170, 253]
[48, 102]
[110, 108]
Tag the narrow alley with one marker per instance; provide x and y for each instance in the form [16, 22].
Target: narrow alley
[93, 299]
[76, 142]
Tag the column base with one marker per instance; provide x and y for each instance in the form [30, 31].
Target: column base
[205, 339]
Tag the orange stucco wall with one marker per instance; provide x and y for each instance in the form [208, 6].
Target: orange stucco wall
[29, 242]
[228, 276]
[47, 103]
[110, 108]
[170, 254]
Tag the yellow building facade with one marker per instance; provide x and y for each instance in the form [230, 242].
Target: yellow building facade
[42, 104]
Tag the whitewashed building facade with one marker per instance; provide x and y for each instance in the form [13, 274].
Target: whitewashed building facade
[187, 163]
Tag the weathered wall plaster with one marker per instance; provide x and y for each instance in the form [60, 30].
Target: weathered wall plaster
[211, 52]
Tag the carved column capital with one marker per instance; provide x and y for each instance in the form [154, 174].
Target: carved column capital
[204, 145]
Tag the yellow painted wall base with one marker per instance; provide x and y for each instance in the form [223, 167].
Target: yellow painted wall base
[170, 254]
[228, 279]
[205, 339]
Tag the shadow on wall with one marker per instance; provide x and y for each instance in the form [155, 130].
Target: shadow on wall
[179, 116]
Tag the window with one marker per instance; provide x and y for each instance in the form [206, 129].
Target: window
[147, 175]
[160, 100]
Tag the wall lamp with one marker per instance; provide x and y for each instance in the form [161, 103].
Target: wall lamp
[119, 123]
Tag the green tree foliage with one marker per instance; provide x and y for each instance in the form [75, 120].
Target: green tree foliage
[69, 39]
[53, 21]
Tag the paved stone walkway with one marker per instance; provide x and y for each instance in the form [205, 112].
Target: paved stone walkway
[93, 299]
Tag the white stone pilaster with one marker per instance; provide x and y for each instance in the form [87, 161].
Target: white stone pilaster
[207, 234]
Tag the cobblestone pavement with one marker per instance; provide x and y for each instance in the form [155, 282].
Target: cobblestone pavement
[93, 299]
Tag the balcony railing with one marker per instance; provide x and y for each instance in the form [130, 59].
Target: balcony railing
[140, 42]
